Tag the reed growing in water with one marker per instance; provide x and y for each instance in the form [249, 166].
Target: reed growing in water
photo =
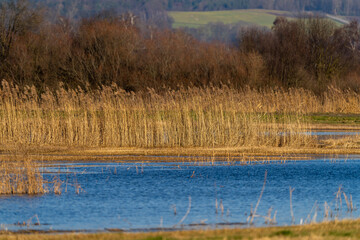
[111, 117]
[194, 117]
[20, 175]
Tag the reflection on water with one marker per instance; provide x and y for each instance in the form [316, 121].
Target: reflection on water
[321, 135]
[152, 195]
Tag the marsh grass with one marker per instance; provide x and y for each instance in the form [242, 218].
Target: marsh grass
[210, 117]
[349, 142]
[20, 175]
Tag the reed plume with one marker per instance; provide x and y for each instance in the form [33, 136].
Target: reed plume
[210, 117]
[20, 175]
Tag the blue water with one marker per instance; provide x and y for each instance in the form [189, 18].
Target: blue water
[332, 134]
[132, 196]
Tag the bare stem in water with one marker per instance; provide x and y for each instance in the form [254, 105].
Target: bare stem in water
[258, 202]
[291, 207]
[186, 214]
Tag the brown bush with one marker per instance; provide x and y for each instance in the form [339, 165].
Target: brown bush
[311, 53]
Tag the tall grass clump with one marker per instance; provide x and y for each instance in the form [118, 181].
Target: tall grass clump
[20, 175]
[299, 100]
[194, 117]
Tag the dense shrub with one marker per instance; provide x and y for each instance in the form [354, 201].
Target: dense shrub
[310, 52]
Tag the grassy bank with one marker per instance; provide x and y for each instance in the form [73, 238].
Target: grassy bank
[194, 119]
[332, 230]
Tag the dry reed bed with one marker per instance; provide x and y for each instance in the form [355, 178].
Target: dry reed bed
[20, 175]
[211, 117]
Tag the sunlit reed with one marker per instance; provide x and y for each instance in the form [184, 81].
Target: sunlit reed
[211, 117]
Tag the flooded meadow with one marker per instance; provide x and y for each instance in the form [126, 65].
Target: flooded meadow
[147, 196]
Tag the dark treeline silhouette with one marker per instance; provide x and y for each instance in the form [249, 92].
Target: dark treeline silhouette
[151, 12]
[154, 13]
[341, 7]
[309, 52]
[154, 10]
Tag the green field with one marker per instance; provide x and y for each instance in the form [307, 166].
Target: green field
[251, 16]
[261, 17]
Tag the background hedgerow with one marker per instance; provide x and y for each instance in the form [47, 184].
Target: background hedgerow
[310, 52]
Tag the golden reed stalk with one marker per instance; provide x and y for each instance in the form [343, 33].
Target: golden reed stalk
[20, 175]
[210, 117]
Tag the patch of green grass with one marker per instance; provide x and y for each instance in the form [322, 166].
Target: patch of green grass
[350, 119]
[251, 16]
[155, 238]
[283, 233]
[340, 234]
[260, 17]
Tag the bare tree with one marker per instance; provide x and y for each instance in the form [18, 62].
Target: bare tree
[16, 18]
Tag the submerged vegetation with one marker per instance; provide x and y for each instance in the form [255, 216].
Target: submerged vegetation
[19, 175]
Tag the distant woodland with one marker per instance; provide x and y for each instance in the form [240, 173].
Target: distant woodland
[341, 7]
[107, 50]
[154, 9]
[154, 13]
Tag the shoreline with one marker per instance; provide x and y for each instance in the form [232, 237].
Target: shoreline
[184, 155]
[345, 229]
[194, 154]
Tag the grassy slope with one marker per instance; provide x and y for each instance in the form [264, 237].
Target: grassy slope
[252, 16]
[260, 17]
[332, 230]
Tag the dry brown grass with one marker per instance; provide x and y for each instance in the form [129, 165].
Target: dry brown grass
[189, 118]
[112, 117]
[20, 175]
[352, 142]
[297, 100]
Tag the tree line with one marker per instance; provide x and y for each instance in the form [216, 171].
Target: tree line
[155, 10]
[310, 52]
[341, 7]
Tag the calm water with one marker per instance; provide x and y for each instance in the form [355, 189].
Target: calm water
[145, 195]
[321, 135]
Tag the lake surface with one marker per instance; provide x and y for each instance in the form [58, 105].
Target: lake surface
[142, 196]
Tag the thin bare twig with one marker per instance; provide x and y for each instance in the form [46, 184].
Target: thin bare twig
[291, 207]
[186, 214]
[258, 202]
